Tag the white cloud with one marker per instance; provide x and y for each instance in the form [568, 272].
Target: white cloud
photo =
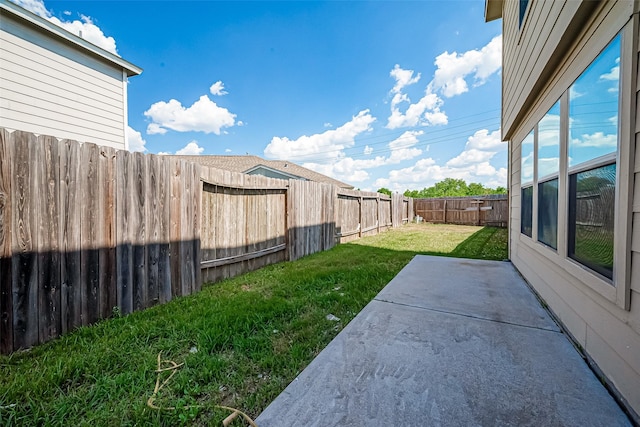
[472, 165]
[191, 149]
[328, 125]
[415, 114]
[483, 140]
[203, 116]
[451, 77]
[613, 74]
[228, 150]
[367, 150]
[154, 128]
[469, 157]
[347, 169]
[134, 140]
[402, 148]
[217, 89]
[549, 131]
[598, 139]
[85, 26]
[403, 78]
[322, 146]
[453, 69]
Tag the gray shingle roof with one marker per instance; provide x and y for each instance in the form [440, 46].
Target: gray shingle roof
[244, 163]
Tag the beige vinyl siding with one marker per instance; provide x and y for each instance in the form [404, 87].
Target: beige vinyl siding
[49, 87]
[537, 70]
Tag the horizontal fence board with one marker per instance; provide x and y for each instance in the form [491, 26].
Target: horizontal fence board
[90, 231]
[489, 210]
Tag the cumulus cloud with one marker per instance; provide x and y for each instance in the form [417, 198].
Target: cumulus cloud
[403, 78]
[85, 26]
[598, 139]
[481, 147]
[472, 165]
[403, 147]
[347, 169]
[367, 150]
[451, 78]
[191, 149]
[613, 74]
[135, 142]
[324, 146]
[424, 112]
[453, 69]
[217, 89]
[203, 116]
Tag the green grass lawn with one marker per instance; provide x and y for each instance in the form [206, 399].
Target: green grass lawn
[241, 341]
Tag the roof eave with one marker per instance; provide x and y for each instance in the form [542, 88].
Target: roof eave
[66, 36]
[492, 10]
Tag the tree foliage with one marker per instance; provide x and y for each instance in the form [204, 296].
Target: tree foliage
[384, 191]
[450, 187]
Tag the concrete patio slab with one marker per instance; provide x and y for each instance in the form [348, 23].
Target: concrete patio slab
[432, 349]
[488, 290]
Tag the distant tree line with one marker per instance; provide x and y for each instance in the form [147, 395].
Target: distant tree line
[450, 187]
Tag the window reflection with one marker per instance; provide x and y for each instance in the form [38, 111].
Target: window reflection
[591, 218]
[593, 108]
[548, 213]
[526, 171]
[526, 210]
[549, 142]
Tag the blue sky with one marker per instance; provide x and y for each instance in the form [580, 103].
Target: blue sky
[377, 94]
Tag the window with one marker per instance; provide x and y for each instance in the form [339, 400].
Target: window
[548, 163]
[593, 143]
[527, 211]
[591, 218]
[526, 182]
[523, 10]
[579, 136]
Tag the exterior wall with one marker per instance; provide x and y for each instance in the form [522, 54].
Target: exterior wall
[49, 87]
[556, 43]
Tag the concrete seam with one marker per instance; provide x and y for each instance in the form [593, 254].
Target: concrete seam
[469, 316]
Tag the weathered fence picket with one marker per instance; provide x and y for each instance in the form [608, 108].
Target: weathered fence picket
[87, 230]
[483, 210]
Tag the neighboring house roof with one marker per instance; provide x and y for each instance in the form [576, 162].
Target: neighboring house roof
[11, 9]
[255, 164]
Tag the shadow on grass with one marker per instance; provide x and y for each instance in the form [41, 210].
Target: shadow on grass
[242, 341]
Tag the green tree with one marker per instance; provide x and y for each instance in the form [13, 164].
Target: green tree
[450, 187]
[384, 191]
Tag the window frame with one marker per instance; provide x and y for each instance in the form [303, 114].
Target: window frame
[624, 157]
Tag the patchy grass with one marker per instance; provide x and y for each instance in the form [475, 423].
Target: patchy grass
[241, 341]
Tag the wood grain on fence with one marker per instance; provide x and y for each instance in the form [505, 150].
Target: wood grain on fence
[490, 210]
[243, 223]
[88, 230]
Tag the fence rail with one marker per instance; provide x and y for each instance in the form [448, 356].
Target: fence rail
[488, 210]
[85, 229]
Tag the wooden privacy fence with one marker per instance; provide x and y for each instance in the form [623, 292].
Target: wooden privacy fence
[362, 213]
[86, 230]
[490, 210]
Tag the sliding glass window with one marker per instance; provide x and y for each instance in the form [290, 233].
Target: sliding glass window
[526, 185]
[593, 143]
[548, 161]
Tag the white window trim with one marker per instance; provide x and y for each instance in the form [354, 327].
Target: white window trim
[618, 289]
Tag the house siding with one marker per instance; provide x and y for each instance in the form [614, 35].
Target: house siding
[537, 69]
[49, 87]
